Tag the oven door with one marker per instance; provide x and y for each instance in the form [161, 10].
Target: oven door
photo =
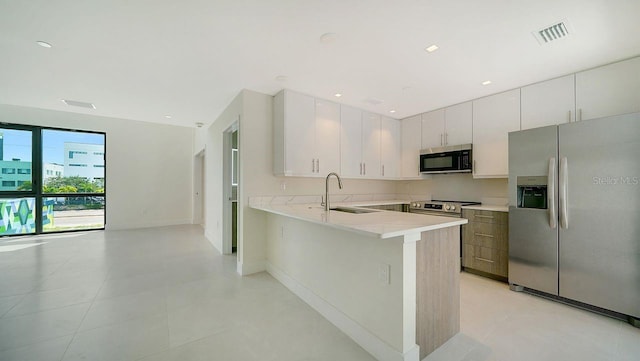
[458, 161]
[434, 213]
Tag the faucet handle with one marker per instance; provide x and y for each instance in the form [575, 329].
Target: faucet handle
[322, 202]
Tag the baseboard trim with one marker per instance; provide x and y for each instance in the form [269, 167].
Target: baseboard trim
[165, 223]
[247, 268]
[368, 341]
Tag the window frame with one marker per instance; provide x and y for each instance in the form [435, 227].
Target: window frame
[37, 177]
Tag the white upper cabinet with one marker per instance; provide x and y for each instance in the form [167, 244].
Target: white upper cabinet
[411, 145]
[390, 147]
[433, 129]
[548, 103]
[306, 135]
[493, 118]
[448, 126]
[458, 124]
[371, 145]
[608, 90]
[327, 142]
[350, 141]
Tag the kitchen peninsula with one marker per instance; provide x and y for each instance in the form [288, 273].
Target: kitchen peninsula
[389, 280]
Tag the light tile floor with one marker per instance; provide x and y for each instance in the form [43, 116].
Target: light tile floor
[165, 294]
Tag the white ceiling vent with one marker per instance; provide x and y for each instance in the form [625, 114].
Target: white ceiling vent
[75, 103]
[373, 101]
[554, 32]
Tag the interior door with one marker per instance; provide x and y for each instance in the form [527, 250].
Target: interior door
[533, 233]
[600, 240]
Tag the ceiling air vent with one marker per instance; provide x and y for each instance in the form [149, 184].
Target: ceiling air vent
[554, 32]
[76, 103]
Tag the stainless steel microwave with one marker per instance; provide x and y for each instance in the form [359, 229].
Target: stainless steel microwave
[450, 159]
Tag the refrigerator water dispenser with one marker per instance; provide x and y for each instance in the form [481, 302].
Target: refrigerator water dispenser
[532, 192]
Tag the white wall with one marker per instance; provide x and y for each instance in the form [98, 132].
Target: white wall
[211, 140]
[149, 166]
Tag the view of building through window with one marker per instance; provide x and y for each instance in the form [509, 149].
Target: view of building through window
[69, 180]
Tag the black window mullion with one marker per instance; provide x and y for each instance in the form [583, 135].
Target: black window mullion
[36, 176]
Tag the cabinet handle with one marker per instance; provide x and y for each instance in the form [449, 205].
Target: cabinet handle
[483, 235]
[579, 117]
[318, 165]
[482, 216]
[446, 138]
[360, 168]
[364, 168]
[313, 166]
[383, 170]
[569, 115]
[441, 139]
[483, 259]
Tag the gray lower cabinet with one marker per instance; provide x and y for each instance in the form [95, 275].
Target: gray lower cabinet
[485, 242]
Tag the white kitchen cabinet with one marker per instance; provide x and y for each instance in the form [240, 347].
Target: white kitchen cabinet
[608, 90]
[433, 129]
[411, 144]
[458, 124]
[493, 118]
[448, 126]
[327, 141]
[371, 145]
[551, 102]
[389, 147]
[350, 141]
[306, 135]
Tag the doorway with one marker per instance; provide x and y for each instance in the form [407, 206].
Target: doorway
[231, 185]
[198, 188]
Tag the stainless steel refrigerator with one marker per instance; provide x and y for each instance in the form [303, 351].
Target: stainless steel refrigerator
[574, 211]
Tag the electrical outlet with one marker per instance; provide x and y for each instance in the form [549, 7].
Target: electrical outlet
[384, 273]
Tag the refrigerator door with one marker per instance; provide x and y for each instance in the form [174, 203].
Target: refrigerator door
[533, 233]
[600, 230]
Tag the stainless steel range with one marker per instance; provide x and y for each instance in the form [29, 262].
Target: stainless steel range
[440, 207]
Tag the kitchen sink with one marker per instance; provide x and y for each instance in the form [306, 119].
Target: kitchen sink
[353, 210]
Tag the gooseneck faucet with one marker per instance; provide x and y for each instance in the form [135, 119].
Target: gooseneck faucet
[326, 189]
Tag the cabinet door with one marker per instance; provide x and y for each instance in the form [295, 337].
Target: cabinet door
[458, 124]
[371, 145]
[350, 142]
[411, 145]
[299, 134]
[493, 118]
[548, 103]
[608, 90]
[327, 137]
[389, 147]
[433, 129]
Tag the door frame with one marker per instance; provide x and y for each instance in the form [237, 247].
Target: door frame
[227, 189]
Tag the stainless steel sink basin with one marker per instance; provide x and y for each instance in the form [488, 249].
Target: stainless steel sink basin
[352, 210]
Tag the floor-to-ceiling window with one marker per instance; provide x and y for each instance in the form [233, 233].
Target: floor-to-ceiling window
[51, 180]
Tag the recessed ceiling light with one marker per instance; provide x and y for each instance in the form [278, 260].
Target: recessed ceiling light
[328, 38]
[337, 95]
[392, 111]
[199, 124]
[486, 82]
[281, 78]
[167, 116]
[432, 48]
[43, 44]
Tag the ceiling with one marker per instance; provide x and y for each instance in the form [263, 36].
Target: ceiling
[146, 59]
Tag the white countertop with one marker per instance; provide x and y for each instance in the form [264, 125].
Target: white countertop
[379, 224]
[494, 208]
